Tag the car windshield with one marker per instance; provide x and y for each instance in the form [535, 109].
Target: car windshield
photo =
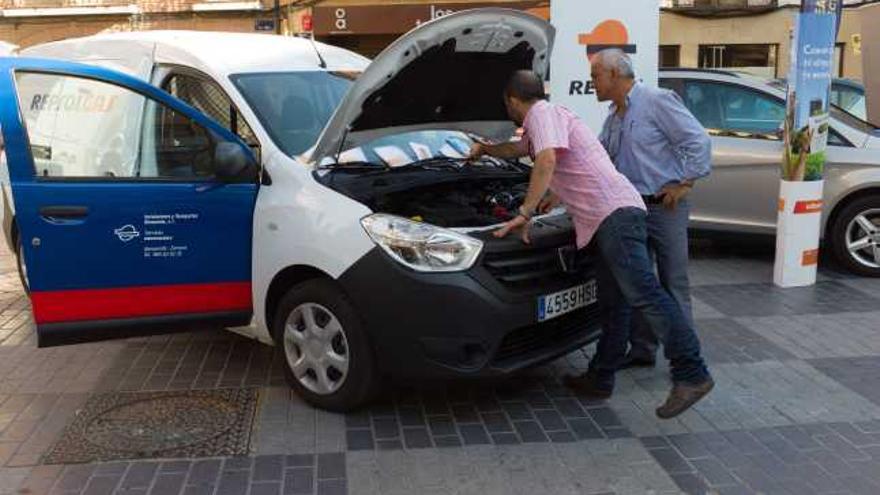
[406, 148]
[294, 107]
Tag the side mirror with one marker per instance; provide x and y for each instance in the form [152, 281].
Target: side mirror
[233, 164]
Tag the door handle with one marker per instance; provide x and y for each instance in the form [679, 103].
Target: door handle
[64, 212]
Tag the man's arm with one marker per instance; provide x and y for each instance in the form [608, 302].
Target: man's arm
[539, 182]
[687, 136]
[508, 151]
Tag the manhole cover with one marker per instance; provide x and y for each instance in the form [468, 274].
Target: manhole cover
[200, 423]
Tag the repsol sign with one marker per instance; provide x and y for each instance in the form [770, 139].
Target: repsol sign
[576, 88]
[73, 103]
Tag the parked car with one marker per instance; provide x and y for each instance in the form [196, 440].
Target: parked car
[744, 114]
[189, 178]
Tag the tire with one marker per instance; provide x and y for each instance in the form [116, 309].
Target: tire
[850, 226]
[337, 328]
[22, 268]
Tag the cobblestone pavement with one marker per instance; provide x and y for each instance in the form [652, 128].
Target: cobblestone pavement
[796, 409]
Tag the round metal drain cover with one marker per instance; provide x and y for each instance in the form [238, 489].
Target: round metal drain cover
[159, 424]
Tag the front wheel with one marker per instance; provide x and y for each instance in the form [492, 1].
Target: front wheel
[855, 236]
[327, 355]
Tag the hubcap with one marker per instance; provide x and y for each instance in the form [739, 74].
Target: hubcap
[316, 348]
[863, 238]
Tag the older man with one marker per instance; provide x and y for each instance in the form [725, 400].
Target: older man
[662, 149]
[606, 209]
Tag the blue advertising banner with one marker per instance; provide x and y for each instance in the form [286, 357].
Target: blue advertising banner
[809, 85]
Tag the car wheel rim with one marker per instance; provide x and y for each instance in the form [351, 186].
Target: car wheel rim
[863, 238]
[316, 348]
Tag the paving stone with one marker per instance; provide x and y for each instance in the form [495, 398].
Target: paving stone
[671, 461]
[496, 423]
[204, 471]
[561, 437]
[474, 434]
[441, 425]
[299, 481]
[168, 484]
[416, 438]
[386, 428]
[714, 472]
[447, 441]
[268, 468]
[551, 420]
[359, 439]
[332, 487]
[585, 429]
[331, 466]
[139, 474]
[530, 432]
[690, 484]
[505, 439]
[767, 300]
[265, 489]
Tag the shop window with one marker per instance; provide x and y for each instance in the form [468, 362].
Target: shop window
[670, 56]
[839, 50]
[753, 58]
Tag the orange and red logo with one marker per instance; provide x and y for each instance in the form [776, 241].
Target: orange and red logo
[608, 34]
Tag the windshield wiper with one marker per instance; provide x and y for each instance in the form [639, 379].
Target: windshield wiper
[439, 163]
[355, 166]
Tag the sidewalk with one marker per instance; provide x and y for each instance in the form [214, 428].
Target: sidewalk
[796, 409]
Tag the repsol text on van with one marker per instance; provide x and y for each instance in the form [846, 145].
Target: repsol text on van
[73, 103]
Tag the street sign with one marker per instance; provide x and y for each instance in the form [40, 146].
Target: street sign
[264, 25]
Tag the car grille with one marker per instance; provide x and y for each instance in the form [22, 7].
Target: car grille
[542, 337]
[530, 269]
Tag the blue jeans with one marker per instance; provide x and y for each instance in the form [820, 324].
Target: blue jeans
[668, 246]
[627, 281]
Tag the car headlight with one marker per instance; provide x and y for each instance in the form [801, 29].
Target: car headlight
[420, 246]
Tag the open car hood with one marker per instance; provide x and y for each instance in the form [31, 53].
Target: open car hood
[449, 73]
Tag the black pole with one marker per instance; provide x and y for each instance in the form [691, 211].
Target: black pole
[277, 16]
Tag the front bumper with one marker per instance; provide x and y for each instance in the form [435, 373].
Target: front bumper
[479, 323]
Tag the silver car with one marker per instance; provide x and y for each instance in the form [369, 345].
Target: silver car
[744, 114]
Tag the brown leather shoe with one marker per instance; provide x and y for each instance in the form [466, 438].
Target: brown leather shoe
[585, 386]
[682, 397]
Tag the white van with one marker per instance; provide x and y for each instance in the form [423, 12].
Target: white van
[217, 179]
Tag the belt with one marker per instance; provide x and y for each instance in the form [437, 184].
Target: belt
[652, 200]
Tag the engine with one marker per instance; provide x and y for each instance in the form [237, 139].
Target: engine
[475, 204]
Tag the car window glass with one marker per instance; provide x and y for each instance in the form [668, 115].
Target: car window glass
[835, 139]
[210, 99]
[734, 110]
[294, 107]
[175, 146]
[849, 99]
[80, 127]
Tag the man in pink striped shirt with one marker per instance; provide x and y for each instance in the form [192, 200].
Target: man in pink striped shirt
[572, 167]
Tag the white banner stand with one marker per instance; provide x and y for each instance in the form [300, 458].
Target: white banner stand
[797, 233]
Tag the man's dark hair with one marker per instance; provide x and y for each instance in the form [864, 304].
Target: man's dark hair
[525, 85]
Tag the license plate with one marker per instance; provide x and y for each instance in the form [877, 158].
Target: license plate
[566, 301]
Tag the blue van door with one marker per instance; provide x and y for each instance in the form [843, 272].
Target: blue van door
[134, 210]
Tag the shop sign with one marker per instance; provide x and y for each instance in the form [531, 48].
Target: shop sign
[397, 19]
[264, 25]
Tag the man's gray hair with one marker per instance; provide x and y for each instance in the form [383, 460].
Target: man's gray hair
[615, 58]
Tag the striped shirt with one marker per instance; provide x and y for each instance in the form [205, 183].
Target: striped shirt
[584, 179]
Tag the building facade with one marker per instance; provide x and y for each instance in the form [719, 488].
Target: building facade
[752, 35]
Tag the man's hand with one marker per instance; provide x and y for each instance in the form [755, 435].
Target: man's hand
[477, 151]
[517, 223]
[549, 202]
[673, 193]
